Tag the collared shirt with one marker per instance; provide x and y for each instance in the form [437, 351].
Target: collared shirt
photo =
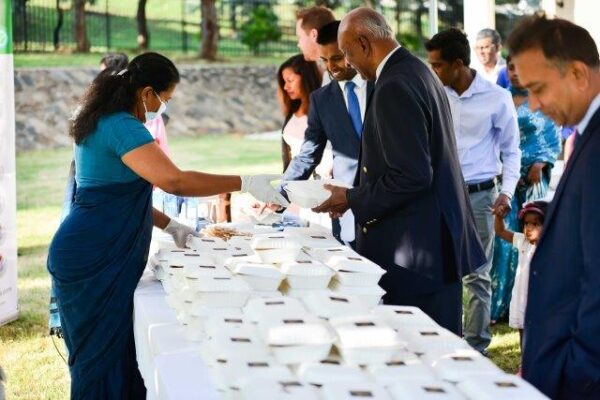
[361, 92]
[589, 114]
[487, 133]
[383, 62]
[491, 76]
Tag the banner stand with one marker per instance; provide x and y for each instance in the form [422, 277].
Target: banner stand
[9, 310]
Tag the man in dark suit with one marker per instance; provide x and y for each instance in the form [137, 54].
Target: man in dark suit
[558, 62]
[411, 207]
[336, 115]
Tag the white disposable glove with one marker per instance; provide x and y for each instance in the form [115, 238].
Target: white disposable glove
[180, 232]
[260, 187]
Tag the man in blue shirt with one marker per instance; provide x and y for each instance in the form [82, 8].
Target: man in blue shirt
[487, 137]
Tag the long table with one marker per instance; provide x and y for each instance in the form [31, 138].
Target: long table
[169, 363]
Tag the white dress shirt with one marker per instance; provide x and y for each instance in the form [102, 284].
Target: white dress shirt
[347, 225]
[594, 106]
[361, 92]
[491, 76]
[487, 133]
[383, 62]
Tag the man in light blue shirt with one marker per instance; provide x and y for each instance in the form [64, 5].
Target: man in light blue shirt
[487, 137]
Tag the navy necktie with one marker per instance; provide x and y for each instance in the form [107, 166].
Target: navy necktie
[353, 107]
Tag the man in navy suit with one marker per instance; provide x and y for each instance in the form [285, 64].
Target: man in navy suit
[411, 206]
[336, 114]
[557, 61]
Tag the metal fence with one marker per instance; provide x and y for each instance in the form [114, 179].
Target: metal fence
[175, 25]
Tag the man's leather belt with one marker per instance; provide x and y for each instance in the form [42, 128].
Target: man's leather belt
[485, 185]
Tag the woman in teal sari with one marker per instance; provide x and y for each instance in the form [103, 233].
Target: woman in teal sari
[540, 145]
[99, 252]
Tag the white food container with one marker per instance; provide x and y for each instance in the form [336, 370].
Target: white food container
[424, 389]
[310, 193]
[214, 326]
[309, 274]
[265, 295]
[263, 389]
[331, 305]
[235, 344]
[243, 243]
[330, 371]
[366, 339]
[462, 364]
[297, 339]
[404, 365]
[237, 374]
[325, 254]
[313, 239]
[401, 317]
[434, 342]
[261, 277]
[498, 387]
[369, 295]
[198, 315]
[300, 294]
[275, 307]
[203, 243]
[276, 248]
[232, 261]
[356, 270]
[202, 270]
[354, 391]
[218, 291]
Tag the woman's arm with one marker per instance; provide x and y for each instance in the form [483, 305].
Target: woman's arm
[159, 219]
[152, 164]
[501, 230]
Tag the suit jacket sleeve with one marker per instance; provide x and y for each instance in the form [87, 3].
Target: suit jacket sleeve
[403, 125]
[581, 367]
[311, 152]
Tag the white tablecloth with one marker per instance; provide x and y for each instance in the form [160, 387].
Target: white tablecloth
[169, 363]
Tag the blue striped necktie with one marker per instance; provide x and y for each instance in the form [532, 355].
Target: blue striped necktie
[353, 107]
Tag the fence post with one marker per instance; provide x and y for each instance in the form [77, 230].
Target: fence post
[25, 24]
[184, 41]
[107, 24]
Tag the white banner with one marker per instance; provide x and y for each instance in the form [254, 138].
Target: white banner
[8, 198]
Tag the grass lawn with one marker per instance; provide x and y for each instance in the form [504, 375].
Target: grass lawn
[27, 354]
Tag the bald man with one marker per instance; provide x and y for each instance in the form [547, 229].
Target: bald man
[411, 207]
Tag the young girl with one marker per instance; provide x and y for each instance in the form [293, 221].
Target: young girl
[532, 218]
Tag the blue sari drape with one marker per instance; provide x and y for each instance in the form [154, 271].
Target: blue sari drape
[540, 142]
[96, 260]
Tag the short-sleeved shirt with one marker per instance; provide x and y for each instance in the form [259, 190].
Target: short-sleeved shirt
[98, 157]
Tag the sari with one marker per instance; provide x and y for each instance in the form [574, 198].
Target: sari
[540, 142]
[96, 259]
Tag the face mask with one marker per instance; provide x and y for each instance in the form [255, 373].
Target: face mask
[150, 115]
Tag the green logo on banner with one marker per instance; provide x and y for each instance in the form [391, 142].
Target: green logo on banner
[5, 26]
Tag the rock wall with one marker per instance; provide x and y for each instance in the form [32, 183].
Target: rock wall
[209, 99]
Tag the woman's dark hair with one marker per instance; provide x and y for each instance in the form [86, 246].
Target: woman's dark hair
[311, 80]
[328, 33]
[112, 92]
[452, 44]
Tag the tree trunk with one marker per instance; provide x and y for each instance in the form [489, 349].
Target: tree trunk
[81, 39]
[143, 38]
[210, 30]
[59, 24]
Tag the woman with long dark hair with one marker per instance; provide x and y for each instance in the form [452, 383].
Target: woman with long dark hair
[100, 250]
[297, 79]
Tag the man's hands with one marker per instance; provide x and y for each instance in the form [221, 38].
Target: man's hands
[501, 207]
[260, 187]
[180, 232]
[337, 204]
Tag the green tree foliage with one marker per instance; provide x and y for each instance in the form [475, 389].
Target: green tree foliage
[261, 27]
